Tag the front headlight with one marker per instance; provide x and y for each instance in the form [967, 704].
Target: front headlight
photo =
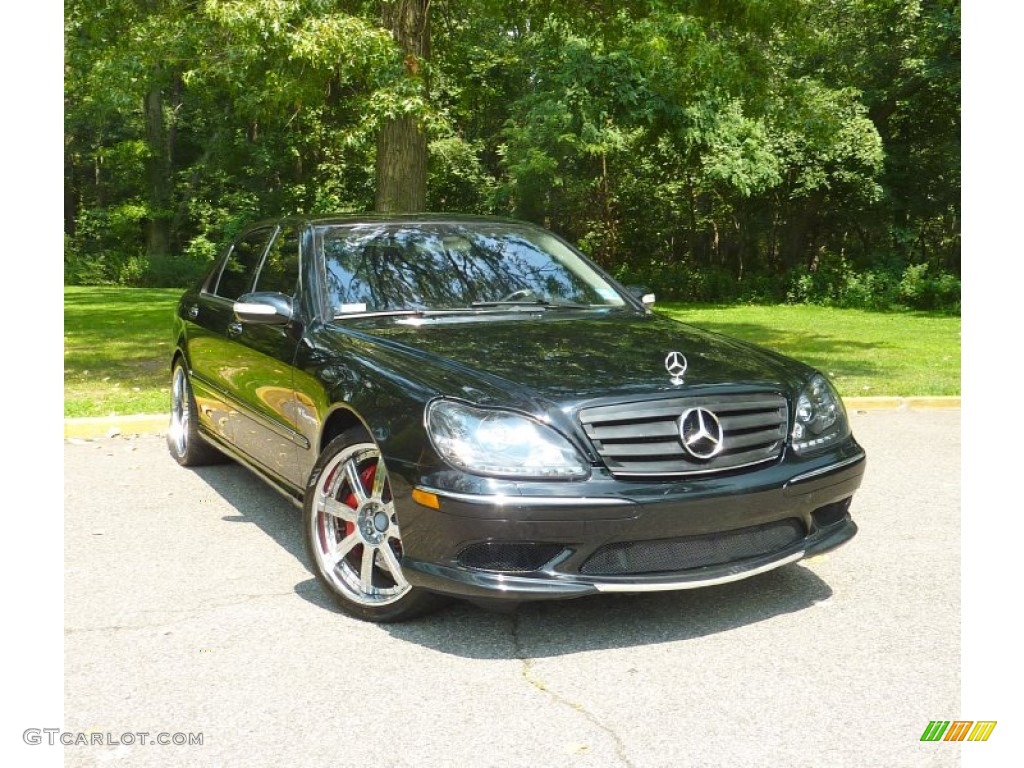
[500, 443]
[820, 417]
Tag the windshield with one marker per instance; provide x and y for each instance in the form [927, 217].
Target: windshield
[384, 267]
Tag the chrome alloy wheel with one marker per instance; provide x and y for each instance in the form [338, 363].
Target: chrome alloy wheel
[181, 412]
[354, 529]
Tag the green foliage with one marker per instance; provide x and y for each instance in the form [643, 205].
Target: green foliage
[922, 288]
[679, 281]
[916, 286]
[749, 150]
[834, 284]
[160, 273]
[97, 253]
[457, 180]
[267, 106]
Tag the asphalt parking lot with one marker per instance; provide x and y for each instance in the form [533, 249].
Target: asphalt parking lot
[189, 609]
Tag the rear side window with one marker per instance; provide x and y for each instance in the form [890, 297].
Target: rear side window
[280, 270]
[240, 268]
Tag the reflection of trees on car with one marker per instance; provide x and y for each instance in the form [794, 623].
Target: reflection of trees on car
[445, 266]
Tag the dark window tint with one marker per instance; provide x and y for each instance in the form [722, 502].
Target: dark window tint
[240, 268]
[280, 270]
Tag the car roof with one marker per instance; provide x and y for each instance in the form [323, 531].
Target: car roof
[391, 218]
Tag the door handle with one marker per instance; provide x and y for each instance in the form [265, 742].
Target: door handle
[193, 311]
[234, 329]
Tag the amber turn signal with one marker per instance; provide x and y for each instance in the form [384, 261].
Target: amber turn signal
[425, 498]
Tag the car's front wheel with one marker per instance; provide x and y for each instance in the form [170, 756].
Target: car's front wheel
[352, 533]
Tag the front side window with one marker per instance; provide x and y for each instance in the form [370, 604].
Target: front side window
[280, 270]
[386, 267]
[236, 277]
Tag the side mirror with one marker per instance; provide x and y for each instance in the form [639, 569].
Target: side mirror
[641, 292]
[264, 308]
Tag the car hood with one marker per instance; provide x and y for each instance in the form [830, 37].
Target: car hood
[563, 357]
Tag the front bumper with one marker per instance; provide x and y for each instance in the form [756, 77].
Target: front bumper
[575, 531]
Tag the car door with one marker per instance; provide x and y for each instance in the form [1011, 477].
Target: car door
[216, 359]
[263, 376]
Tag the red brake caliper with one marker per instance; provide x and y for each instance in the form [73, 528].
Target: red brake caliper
[366, 476]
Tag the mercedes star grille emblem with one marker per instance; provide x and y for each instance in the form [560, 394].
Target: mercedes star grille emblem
[675, 364]
[701, 433]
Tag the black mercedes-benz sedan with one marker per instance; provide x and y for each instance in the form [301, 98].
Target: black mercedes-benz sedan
[469, 407]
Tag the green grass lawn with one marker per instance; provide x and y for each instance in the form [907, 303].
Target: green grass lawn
[865, 353]
[117, 344]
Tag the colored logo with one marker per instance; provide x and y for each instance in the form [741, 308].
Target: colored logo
[958, 730]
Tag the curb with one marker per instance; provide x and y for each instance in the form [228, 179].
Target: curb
[112, 426]
[156, 424]
[921, 403]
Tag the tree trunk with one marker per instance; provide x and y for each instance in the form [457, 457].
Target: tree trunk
[401, 167]
[158, 173]
[402, 144]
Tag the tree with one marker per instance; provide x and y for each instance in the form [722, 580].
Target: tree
[712, 149]
[402, 142]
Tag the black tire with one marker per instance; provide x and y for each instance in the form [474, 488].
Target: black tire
[184, 442]
[352, 535]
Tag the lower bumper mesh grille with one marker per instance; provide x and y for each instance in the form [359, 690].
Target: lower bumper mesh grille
[508, 556]
[682, 554]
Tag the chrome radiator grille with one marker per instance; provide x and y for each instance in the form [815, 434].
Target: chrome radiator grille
[643, 438]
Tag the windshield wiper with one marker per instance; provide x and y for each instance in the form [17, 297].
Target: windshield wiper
[395, 313]
[518, 304]
[531, 304]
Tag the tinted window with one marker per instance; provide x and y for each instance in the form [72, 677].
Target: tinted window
[376, 267]
[240, 268]
[280, 270]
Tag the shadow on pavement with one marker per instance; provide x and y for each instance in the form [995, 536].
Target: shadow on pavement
[553, 628]
[255, 502]
[560, 627]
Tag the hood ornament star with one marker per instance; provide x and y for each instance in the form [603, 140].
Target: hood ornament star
[675, 364]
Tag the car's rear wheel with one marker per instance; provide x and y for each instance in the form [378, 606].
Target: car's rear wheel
[352, 533]
[183, 439]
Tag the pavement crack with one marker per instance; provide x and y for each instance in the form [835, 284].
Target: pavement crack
[530, 675]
